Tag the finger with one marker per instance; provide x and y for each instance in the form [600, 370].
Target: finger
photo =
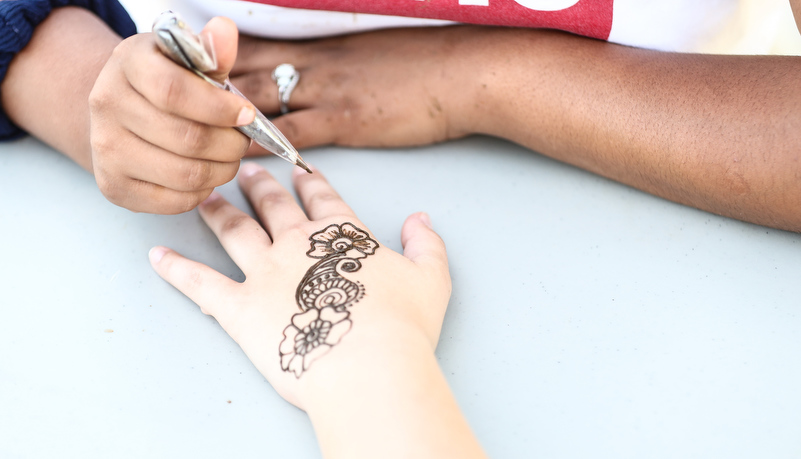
[260, 88]
[206, 287]
[273, 203]
[304, 129]
[180, 135]
[240, 235]
[422, 245]
[260, 53]
[176, 90]
[318, 197]
[225, 40]
[160, 167]
[313, 127]
[139, 196]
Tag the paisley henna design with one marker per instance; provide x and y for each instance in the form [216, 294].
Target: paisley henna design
[324, 296]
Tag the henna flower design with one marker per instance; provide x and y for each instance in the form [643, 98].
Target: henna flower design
[341, 239]
[311, 334]
[324, 296]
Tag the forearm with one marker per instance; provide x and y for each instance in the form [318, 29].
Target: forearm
[720, 133]
[388, 401]
[47, 87]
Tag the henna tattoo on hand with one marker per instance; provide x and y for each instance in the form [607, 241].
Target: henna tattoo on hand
[324, 296]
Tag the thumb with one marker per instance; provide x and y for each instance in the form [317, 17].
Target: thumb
[224, 38]
[422, 245]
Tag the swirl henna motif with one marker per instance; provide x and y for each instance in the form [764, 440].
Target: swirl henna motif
[324, 296]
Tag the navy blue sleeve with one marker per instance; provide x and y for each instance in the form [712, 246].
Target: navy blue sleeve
[18, 19]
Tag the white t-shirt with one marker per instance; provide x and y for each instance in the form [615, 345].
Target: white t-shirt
[720, 26]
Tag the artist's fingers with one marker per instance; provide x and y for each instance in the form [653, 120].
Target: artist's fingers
[225, 39]
[163, 168]
[273, 203]
[139, 196]
[180, 135]
[177, 90]
[240, 235]
[203, 285]
[319, 198]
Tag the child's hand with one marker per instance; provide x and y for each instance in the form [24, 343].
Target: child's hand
[323, 304]
[161, 137]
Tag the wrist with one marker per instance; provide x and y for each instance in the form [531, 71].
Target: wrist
[481, 81]
[373, 354]
[387, 397]
[47, 86]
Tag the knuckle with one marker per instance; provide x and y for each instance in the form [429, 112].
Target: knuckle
[169, 92]
[291, 129]
[194, 281]
[247, 47]
[272, 199]
[234, 225]
[107, 187]
[99, 98]
[113, 191]
[102, 145]
[185, 204]
[256, 83]
[228, 173]
[245, 144]
[196, 137]
[121, 52]
[296, 233]
[321, 198]
[197, 176]
[225, 108]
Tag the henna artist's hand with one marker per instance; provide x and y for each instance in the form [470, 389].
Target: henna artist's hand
[354, 296]
[161, 137]
[400, 87]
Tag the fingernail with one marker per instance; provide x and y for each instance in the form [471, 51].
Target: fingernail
[249, 169]
[246, 116]
[426, 220]
[211, 198]
[156, 254]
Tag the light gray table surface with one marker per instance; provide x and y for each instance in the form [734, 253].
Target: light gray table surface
[588, 319]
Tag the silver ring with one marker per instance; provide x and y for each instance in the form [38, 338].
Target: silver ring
[286, 77]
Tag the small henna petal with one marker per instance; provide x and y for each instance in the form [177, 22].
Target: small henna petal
[330, 314]
[330, 233]
[366, 246]
[338, 331]
[302, 320]
[285, 360]
[288, 344]
[296, 365]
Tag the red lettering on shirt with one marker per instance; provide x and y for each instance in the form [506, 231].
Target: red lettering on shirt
[591, 18]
